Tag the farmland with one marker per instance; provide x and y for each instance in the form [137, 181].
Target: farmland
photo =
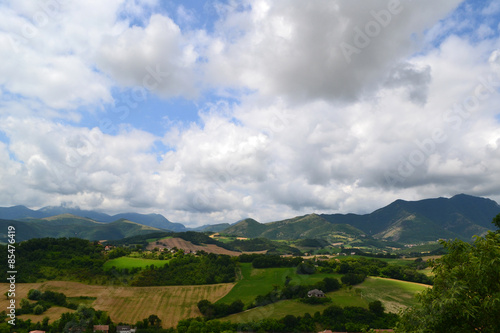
[256, 281]
[394, 295]
[128, 262]
[129, 304]
[188, 246]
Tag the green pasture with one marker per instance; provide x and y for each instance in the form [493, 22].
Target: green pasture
[343, 297]
[127, 262]
[260, 281]
[394, 294]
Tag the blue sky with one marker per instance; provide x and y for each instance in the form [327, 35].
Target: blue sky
[210, 112]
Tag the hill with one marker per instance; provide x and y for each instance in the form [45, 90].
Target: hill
[67, 225]
[153, 220]
[461, 216]
[408, 222]
[128, 304]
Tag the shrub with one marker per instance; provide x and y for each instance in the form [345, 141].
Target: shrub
[34, 294]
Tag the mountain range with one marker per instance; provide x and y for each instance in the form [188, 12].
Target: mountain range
[461, 216]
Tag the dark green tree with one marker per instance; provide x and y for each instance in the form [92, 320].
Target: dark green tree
[34, 294]
[466, 292]
[154, 321]
[496, 222]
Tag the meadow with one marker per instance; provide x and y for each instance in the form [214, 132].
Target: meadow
[128, 262]
[394, 295]
[260, 281]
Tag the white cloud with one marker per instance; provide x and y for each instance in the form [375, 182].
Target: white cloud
[156, 57]
[305, 130]
[296, 50]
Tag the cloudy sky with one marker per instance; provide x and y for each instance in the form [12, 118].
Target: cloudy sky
[214, 111]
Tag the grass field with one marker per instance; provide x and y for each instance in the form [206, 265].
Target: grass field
[127, 262]
[128, 304]
[343, 297]
[256, 281]
[395, 295]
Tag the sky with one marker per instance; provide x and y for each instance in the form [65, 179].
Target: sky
[215, 111]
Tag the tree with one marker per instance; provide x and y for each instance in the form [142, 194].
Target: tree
[496, 222]
[34, 294]
[154, 320]
[376, 307]
[38, 309]
[306, 267]
[466, 292]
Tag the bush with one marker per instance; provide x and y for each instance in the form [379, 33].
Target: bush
[351, 279]
[38, 309]
[316, 300]
[306, 267]
[34, 294]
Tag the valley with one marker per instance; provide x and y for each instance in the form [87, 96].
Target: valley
[248, 276]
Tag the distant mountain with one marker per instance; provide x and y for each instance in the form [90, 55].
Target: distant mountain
[301, 227]
[20, 212]
[211, 227]
[152, 220]
[23, 213]
[461, 216]
[67, 225]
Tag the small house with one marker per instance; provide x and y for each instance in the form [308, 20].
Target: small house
[101, 328]
[315, 293]
[124, 329]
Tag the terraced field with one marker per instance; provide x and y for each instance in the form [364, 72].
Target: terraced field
[129, 304]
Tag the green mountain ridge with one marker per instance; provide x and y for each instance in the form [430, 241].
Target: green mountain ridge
[409, 222]
[67, 225]
[461, 216]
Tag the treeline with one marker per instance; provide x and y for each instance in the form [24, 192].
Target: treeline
[83, 260]
[82, 320]
[262, 244]
[268, 261]
[335, 318]
[353, 319]
[355, 268]
[43, 301]
[189, 270]
[67, 257]
[217, 310]
[312, 242]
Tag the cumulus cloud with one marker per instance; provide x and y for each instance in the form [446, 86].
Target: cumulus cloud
[156, 57]
[329, 50]
[303, 107]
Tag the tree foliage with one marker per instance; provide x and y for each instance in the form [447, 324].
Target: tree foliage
[187, 269]
[496, 222]
[466, 292]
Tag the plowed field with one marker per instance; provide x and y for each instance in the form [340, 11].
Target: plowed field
[128, 304]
